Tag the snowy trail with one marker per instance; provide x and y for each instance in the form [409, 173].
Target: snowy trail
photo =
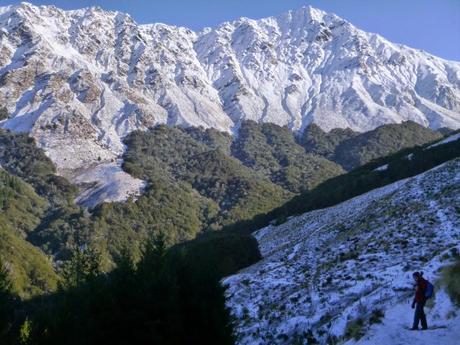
[444, 327]
[325, 269]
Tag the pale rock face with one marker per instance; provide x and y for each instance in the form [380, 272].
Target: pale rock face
[79, 81]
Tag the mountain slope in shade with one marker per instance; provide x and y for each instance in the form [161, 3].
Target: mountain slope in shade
[331, 273]
[79, 81]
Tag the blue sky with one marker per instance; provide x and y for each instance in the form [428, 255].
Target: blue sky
[431, 25]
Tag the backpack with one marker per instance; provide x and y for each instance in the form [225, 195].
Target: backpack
[429, 291]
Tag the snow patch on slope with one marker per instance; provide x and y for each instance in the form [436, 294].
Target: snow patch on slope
[449, 139]
[107, 182]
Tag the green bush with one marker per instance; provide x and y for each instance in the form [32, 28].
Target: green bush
[6, 304]
[376, 316]
[355, 329]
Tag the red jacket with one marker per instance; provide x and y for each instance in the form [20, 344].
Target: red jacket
[420, 290]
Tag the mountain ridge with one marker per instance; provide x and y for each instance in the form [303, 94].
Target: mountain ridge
[79, 81]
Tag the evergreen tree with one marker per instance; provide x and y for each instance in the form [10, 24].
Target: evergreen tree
[84, 265]
[153, 254]
[6, 302]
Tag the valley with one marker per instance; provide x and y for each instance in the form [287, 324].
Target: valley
[268, 181]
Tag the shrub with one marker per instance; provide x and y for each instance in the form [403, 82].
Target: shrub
[376, 316]
[355, 329]
[451, 279]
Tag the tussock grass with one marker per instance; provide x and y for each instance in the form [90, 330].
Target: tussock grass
[451, 279]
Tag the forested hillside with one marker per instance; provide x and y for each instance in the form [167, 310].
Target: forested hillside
[21, 210]
[195, 183]
[378, 173]
[139, 163]
[351, 149]
[199, 181]
[274, 151]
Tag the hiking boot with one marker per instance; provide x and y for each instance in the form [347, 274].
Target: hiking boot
[413, 329]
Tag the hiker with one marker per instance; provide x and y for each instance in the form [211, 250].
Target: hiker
[419, 300]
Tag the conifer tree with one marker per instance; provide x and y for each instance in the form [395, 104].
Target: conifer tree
[84, 265]
[5, 301]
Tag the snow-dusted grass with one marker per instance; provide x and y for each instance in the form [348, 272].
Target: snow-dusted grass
[443, 321]
[326, 268]
[446, 140]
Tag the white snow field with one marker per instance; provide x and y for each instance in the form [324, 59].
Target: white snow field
[326, 269]
[79, 81]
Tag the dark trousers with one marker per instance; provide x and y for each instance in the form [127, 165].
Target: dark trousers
[419, 315]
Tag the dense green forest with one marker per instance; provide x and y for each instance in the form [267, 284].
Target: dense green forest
[198, 180]
[377, 173]
[192, 187]
[275, 152]
[351, 149]
[149, 269]
[59, 222]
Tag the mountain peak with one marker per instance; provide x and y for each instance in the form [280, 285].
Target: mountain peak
[311, 13]
[6, 10]
[79, 81]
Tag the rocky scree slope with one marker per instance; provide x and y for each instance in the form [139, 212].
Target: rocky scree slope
[327, 274]
[79, 81]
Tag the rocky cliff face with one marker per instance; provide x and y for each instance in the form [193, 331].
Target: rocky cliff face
[79, 81]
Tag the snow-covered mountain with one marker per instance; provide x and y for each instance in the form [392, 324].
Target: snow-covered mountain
[80, 80]
[350, 266]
